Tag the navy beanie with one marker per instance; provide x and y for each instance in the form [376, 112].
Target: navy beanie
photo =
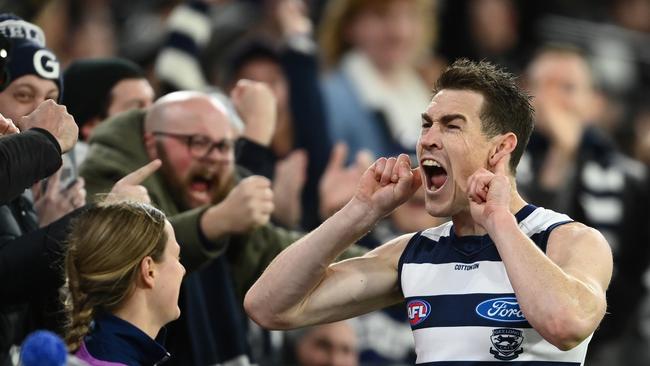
[13, 27]
[29, 56]
[88, 84]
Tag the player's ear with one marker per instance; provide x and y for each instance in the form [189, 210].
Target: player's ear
[504, 145]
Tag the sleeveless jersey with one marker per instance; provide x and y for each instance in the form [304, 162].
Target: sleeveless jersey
[461, 305]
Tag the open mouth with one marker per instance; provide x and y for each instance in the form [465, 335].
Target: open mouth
[200, 187]
[436, 175]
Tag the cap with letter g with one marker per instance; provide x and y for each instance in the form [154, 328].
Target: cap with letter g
[29, 56]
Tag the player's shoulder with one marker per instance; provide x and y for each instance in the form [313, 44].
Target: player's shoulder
[576, 231]
[576, 237]
[560, 225]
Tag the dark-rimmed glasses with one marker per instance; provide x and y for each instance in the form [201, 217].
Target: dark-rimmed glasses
[200, 146]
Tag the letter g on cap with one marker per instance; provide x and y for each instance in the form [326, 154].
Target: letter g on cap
[46, 64]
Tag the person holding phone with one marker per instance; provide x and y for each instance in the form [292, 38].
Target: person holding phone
[36, 153]
[35, 78]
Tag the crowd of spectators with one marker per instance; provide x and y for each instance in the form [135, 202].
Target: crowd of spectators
[240, 125]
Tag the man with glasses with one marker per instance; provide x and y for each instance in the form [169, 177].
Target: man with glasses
[193, 135]
[209, 201]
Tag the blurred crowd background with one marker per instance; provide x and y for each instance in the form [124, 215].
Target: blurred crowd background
[350, 79]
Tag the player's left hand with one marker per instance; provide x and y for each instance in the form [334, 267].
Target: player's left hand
[489, 192]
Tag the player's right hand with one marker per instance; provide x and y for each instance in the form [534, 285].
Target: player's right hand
[388, 183]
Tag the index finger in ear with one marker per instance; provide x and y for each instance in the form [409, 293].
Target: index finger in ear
[501, 167]
[139, 175]
[403, 165]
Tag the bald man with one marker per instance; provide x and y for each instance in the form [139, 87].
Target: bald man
[198, 184]
[210, 204]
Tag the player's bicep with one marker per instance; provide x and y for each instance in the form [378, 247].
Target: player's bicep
[583, 253]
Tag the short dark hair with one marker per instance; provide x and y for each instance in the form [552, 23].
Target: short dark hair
[89, 82]
[244, 52]
[506, 108]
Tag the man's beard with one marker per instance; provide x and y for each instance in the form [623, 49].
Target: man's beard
[179, 188]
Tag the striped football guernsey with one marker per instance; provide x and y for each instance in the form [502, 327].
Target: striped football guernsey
[461, 305]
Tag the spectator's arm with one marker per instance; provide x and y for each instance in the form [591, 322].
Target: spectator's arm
[256, 158]
[196, 248]
[300, 63]
[26, 158]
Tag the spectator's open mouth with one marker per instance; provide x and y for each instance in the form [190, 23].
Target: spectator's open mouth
[201, 186]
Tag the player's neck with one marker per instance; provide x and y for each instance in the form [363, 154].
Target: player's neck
[465, 225]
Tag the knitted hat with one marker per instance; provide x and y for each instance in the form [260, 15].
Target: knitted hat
[29, 56]
[13, 27]
[88, 84]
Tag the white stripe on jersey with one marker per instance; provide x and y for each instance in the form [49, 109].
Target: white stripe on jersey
[540, 220]
[437, 232]
[473, 344]
[426, 279]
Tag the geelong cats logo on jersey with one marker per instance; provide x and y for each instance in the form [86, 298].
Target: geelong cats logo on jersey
[502, 309]
[507, 343]
[418, 311]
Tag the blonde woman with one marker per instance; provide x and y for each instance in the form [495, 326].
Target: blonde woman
[124, 277]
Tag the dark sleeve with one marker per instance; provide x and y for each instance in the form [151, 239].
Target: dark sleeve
[309, 122]
[32, 264]
[256, 158]
[26, 158]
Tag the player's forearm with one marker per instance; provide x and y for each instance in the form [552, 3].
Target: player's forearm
[278, 298]
[561, 308]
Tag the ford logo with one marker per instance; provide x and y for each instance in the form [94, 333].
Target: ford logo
[502, 309]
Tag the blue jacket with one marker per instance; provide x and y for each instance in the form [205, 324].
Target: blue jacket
[113, 341]
[350, 121]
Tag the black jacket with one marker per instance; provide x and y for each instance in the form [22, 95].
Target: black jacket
[26, 158]
[31, 272]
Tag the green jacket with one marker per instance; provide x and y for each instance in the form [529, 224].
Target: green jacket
[117, 148]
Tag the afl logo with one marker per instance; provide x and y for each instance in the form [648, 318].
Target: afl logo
[418, 311]
[46, 65]
[502, 309]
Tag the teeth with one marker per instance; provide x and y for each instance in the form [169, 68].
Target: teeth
[208, 177]
[430, 162]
